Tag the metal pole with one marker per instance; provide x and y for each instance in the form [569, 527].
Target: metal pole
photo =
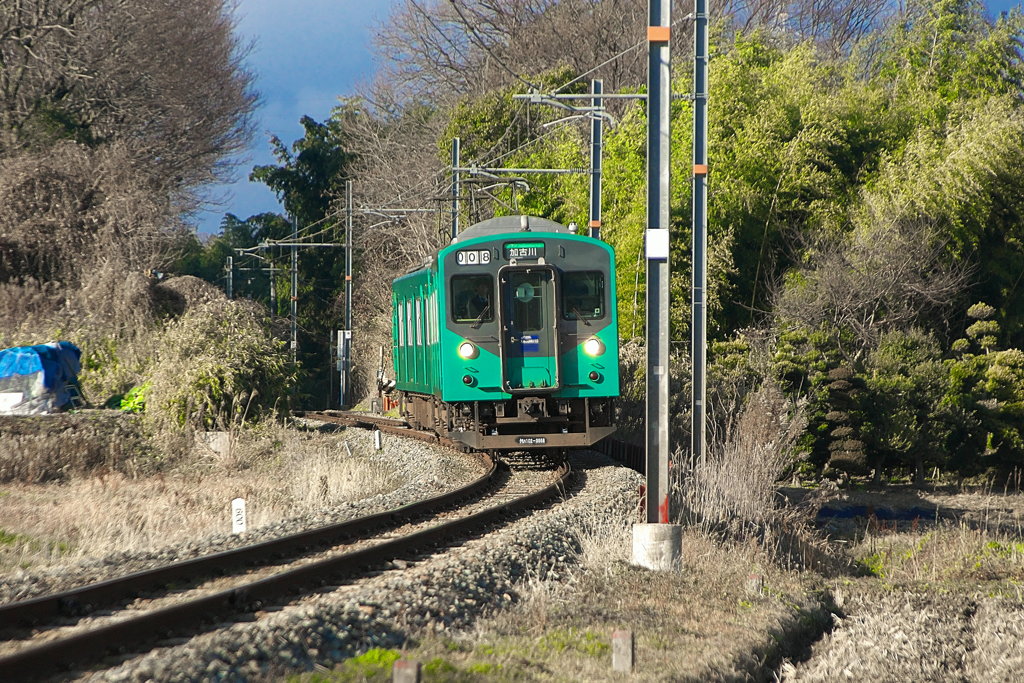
[657, 248]
[700, 230]
[295, 295]
[230, 268]
[273, 292]
[346, 342]
[456, 143]
[596, 130]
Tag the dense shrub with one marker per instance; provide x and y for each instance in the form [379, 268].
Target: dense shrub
[217, 367]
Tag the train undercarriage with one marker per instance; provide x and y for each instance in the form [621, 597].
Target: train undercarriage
[525, 422]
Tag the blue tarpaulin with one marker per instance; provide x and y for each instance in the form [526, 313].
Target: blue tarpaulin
[36, 379]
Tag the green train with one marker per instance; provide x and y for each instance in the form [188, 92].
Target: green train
[507, 339]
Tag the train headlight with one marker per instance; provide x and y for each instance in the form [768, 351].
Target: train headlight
[593, 347]
[468, 350]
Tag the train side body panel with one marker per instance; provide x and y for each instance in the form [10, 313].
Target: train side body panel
[414, 331]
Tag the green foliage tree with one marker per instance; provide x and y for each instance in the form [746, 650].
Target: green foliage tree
[985, 398]
[906, 423]
[307, 179]
[309, 175]
[801, 364]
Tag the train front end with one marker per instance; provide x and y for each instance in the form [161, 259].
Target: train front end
[528, 337]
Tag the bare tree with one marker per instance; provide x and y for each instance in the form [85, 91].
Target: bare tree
[113, 114]
[161, 76]
[834, 25]
[873, 281]
[445, 48]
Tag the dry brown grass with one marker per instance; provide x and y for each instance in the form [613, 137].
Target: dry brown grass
[738, 481]
[939, 604]
[62, 446]
[953, 553]
[733, 495]
[281, 473]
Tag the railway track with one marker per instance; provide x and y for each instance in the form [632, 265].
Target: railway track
[76, 628]
[388, 425]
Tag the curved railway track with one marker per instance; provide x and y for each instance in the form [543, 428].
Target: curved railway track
[133, 630]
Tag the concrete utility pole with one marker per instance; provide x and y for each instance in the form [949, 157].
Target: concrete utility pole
[657, 251]
[294, 309]
[658, 544]
[345, 341]
[229, 266]
[596, 142]
[456, 143]
[699, 311]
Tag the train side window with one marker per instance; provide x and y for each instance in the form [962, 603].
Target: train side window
[409, 339]
[583, 295]
[472, 298]
[419, 322]
[399, 322]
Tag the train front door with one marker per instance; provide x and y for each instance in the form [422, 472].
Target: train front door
[529, 324]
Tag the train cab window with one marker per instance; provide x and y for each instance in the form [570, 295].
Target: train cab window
[529, 299]
[583, 295]
[472, 298]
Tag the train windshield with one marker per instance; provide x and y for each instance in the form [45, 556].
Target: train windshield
[473, 298]
[529, 299]
[583, 295]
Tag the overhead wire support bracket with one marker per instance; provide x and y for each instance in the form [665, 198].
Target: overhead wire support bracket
[268, 245]
[552, 98]
[585, 113]
[476, 170]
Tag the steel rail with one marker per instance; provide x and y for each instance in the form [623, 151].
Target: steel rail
[80, 601]
[366, 420]
[59, 655]
[389, 425]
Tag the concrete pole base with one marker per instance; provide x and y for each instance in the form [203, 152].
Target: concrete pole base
[658, 547]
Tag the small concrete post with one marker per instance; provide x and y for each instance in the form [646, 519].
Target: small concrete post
[405, 671]
[376, 439]
[238, 516]
[622, 651]
[658, 546]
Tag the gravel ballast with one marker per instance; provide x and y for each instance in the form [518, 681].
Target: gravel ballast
[447, 590]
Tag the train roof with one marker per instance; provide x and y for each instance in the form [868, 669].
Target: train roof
[507, 224]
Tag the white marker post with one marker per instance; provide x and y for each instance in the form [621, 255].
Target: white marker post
[238, 516]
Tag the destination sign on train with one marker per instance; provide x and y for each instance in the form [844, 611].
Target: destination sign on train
[521, 250]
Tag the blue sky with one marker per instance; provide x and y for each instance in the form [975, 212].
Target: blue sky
[308, 53]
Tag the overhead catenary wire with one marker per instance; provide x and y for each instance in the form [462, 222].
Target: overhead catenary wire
[474, 35]
[611, 59]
